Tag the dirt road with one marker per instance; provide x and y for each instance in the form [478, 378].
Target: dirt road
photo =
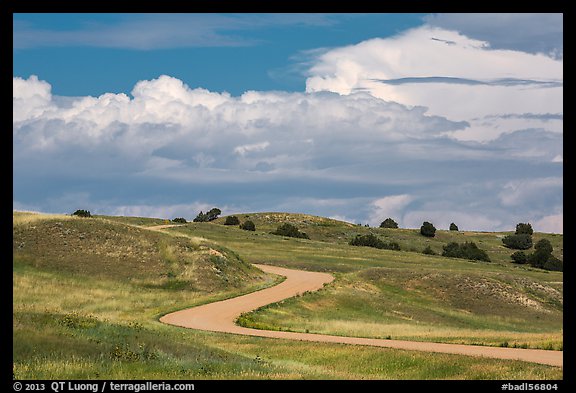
[220, 317]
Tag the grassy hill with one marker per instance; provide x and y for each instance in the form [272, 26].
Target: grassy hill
[88, 294]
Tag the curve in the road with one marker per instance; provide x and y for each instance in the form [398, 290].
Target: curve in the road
[221, 316]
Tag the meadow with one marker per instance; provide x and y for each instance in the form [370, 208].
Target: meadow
[87, 295]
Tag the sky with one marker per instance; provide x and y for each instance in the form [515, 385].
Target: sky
[358, 117]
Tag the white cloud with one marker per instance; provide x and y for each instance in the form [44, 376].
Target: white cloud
[389, 207]
[170, 150]
[450, 74]
[522, 191]
[527, 32]
[550, 224]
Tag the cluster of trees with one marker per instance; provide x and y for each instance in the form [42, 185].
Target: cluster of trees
[541, 257]
[521, 239]
[82, 213]
[246, 225]
[371, 240]
[180, 220]
[208, 216]
[290, 231]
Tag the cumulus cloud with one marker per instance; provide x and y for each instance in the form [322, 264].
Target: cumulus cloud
[452, 75]
[389, 207]
[167, 149]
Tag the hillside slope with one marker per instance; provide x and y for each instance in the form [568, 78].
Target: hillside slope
[111, 249]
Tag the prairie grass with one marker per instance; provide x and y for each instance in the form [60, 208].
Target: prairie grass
[76, 321]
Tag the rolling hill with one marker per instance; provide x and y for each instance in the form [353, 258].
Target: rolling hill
[88, 293]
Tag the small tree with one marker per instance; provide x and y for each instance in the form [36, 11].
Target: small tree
[248, 226]
[542, 253]
[180, 220]
[524, 229]
[209, 216]
[389, 223]
[82, 213]
[232, 220]
[453, 227]
[427, 229]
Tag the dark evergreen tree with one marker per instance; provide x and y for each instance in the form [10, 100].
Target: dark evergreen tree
[427, 229]
[518, 242]
[389, 223]
[82, 213]
[519, 257]
[524, 229]
[453, 227]
[248, 226]
[290, 231]
[232, 220]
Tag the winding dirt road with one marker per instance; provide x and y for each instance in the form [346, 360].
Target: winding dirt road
[220, 317]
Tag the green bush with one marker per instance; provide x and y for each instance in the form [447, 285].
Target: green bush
[453, 227]
[232, 220]
[427, 229]
[518, 242]
[248, 226]
[519, 257]
[371, 240]
[467, 250]
[82, 213]
[180, 220]
[290, 231]
[428, 251]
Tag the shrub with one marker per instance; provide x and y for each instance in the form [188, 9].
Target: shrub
[427, 229]
[389, 223]
[518, 242]
[232, 220]
[180, 220]
[553, 263]
[519, 257]
[453, 227]
[248, 226]
[467, 250]
[290, 231]
[371, 240]
[82, 213]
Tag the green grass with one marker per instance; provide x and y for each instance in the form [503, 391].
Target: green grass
[87, 295]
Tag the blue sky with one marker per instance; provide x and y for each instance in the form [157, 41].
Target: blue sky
[419, 117]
